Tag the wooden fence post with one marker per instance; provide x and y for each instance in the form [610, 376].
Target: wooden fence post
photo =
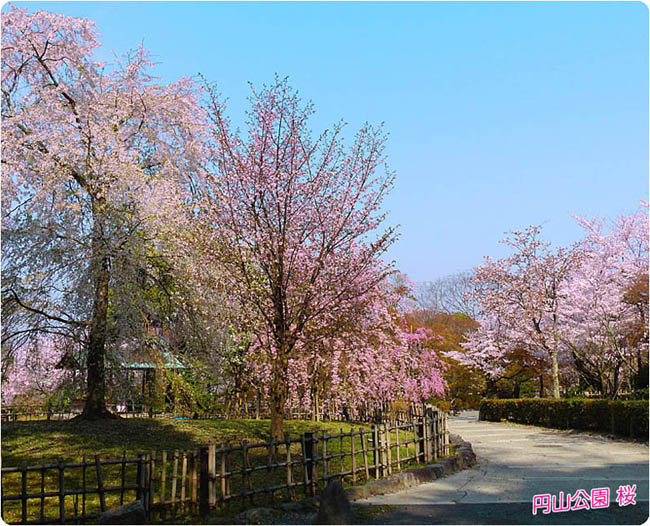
[315, 477]
[183, 477]
[148, 483]
[375, 452]
[43, 487]
[100, 481]
[431, 434]
[446, 435]
[365, 453]
[325, 459]
[212, 475]
[421, 440]
[138, 476]
[163, 477]
[389, 454]
[308, 458]
[151, 480]
[204, 505]
[426, 434]
[195, 480]
[222, 476]
[83, 487]
[399, 467]
[244, 472]
[415, 439]
[435, 428]
[341, 464]
[287, 441]
[61, 495]
[436, 435]
[381, 450]
[342, 457]
[174, 478]
[23, 483]
[354, 458]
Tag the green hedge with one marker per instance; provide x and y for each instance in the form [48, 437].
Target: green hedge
[638, 394]
[622, 417]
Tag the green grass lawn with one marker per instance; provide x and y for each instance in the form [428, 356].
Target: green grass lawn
[29, 443]
[41, 442]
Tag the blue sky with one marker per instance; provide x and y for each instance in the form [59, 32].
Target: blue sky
[501, 115]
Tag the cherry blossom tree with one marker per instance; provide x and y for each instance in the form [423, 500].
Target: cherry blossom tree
[486, 348]
[33, 371]
[520, 298]
[581, 308]
[600, 320]
[370, 356]
[96, 158]
[294, 219]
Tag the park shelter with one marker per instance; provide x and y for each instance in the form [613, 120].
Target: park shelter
[143, 368]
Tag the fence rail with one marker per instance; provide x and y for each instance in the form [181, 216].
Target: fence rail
[47, 496]
[187, 482]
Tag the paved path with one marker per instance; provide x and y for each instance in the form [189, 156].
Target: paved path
[516, 462]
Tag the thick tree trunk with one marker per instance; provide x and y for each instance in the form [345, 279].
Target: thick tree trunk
[592, 379]
[490, 387]
[95, 406]
[541, 386]
[556, 375]
[278, 398]
[641, 376]
[315, 407]
[616, 383]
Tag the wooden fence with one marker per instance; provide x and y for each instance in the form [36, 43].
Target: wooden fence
[72, 492]
[188, 482]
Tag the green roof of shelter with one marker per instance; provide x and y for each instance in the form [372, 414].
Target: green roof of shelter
[168, 362]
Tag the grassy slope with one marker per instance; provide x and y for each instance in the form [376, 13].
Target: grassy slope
[28, 443]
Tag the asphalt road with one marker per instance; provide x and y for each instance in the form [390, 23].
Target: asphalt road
[515, 463]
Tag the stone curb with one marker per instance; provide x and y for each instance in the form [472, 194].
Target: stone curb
[463, 459]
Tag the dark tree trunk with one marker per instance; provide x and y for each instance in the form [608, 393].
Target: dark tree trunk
[592, 378]
[278, 398]
[616, 383]
[95, 407]
[541, 386]
[641, 377]
[491, 388]
[315, 404]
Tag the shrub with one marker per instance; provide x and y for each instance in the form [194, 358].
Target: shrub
[622, 417]
[638, 394]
